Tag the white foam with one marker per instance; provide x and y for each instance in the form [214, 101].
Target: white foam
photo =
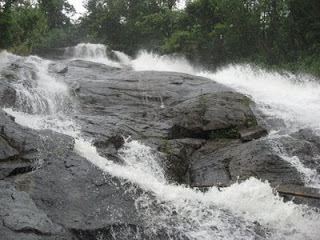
[228, 213]
[200, 213]
[295, 99]
[146, 61]
[124, 58]
[92, 52]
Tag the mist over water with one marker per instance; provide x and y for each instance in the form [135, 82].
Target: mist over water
[235, 212]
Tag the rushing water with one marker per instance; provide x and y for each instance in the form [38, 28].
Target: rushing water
[293, 99]
[247, 210]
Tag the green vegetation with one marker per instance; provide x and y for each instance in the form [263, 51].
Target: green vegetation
[282, 33]
[273, 33]
[26, 26]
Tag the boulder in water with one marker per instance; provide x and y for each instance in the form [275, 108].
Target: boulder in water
[62, 195]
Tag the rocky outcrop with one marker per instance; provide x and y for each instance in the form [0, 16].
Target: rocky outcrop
[156, 105]
[206, 133]
[50, 192]
[220, 163]
[305, 145]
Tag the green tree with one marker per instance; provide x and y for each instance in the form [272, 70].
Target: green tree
[57, 12]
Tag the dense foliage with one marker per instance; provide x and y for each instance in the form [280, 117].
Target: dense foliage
[211, 32]
[26, 26]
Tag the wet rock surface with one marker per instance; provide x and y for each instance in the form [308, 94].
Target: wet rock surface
[206, 133]
[220, 163]
[61, 195]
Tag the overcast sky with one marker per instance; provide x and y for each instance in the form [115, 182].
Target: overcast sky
[78, 4]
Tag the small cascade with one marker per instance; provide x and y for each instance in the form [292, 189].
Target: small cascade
[87, 50]
[97, 53]
[36, 91]
[123, 58]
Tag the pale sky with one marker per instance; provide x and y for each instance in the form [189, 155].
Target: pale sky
[78, 5]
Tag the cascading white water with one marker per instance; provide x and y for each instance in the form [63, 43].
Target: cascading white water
[231, 213]
[37, 90]
[93, 53]
[4, 59]
[295, 99]
[152, 62]
[124, 59]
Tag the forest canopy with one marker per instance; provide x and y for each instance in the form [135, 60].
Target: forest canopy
[208, 32]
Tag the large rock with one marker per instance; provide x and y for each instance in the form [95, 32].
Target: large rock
[291, 160]
[61, 195]
[151, 104]
[304, 144]
[159, 109]
[206, 133]
[19, 147]
[212, 115]
[21, 217]
[177, 153]
[162, 109]
[224, 162]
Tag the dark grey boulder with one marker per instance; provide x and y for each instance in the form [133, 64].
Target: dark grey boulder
[154, 105]
[20, 214]
[220, 163]
[140, 104]
[61, 195]
[304, 144]
[214, 115]
[177, 153]
[252, 133]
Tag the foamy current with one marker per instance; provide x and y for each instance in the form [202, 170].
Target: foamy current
[231, 213]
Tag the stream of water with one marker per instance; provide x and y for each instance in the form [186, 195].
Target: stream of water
[246, 210]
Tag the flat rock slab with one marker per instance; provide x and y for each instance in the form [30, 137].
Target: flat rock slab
[300, 191]
[300, 194]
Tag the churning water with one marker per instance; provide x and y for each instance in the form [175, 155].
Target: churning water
[292, 99]
[247, 210]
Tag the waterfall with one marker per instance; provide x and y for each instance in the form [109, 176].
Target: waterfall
[293, 99]
[185, 213]
[94, 53]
